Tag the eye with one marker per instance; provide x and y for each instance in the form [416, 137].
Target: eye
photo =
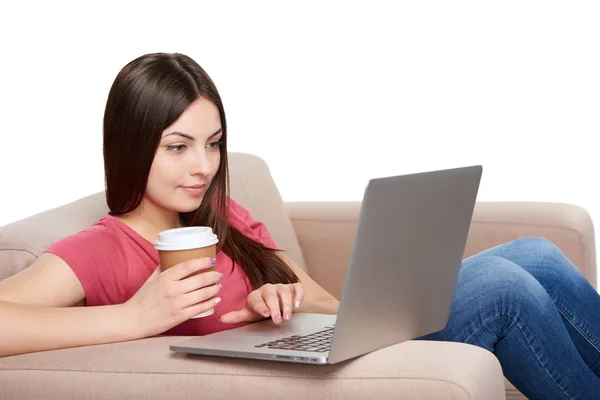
[178, 148]
[214, 145]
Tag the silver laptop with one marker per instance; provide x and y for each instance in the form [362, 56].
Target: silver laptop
[409, 244]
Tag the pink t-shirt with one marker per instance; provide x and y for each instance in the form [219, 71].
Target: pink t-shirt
[112, 262]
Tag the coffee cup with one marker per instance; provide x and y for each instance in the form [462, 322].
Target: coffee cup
[182, 244]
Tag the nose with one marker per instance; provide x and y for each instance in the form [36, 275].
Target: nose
[200, 164]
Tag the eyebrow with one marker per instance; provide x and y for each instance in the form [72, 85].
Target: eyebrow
[185, 135]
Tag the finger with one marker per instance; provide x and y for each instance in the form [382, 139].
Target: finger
[285, 299]
[257, 304]
[236, 317]
[298, 294]
[198, 308]
[186, 268]
[270, 297]
[199, 281]
[200, 296]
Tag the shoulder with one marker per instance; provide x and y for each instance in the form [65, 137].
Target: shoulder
[96, 255]
[237, 210]
[241, 219]
[101, 240]
[102, 233]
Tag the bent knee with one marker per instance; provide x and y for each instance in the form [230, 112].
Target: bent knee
[536, 243]
[534, 254]
[493, 277]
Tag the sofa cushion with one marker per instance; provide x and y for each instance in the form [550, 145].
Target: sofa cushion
[148, 369]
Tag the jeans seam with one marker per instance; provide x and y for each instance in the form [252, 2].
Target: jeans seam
[481, 327]
[580, 329]
[515, 320]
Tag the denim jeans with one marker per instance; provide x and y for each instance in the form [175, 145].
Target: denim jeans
[529, 305]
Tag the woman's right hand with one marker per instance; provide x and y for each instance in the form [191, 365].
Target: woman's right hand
[171, 297]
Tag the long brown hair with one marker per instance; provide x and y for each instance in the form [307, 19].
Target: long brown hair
[148, 95]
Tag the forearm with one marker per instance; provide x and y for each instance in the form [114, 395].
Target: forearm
[27, 328]
[318, 306]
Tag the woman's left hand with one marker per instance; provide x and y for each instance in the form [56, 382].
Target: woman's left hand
[274, 301]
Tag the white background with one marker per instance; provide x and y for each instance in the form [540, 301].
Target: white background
[328, 93]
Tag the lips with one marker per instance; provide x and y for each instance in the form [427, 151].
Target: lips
[194, 187]
[194, 190]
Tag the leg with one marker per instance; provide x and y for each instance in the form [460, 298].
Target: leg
[575, 298]
[501, 307]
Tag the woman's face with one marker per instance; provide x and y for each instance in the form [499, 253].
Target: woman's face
[187, 158]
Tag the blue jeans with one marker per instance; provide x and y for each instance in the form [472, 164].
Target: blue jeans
[529, 305]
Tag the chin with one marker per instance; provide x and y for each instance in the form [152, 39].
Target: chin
[187, 206]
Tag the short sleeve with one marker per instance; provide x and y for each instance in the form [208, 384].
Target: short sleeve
[94, 255]
[243, 221]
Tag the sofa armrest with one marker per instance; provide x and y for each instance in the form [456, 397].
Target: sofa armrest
[326, 231]
[568, 226]
[147, 369]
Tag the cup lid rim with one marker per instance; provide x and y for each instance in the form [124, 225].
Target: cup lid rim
[195, 238]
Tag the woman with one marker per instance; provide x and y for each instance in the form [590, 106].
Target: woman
[165, 154]
[165, 159]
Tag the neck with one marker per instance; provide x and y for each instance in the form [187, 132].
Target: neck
[148, 219]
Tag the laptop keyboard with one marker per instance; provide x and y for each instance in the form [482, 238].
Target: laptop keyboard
[318, 341]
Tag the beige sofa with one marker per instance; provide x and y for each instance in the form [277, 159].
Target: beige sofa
[318, 236]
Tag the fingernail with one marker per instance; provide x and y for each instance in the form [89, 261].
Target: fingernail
[213, 261]
[220, 286]
[297, 303]
[217, 300]
[277, 319]
[266, 312]
[221, 274]
[288, 316]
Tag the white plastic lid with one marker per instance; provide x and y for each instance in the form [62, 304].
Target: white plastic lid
[192, 237]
